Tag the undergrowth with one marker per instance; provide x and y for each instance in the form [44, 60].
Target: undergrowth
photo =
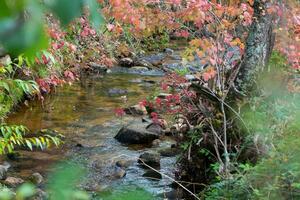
[273, 122]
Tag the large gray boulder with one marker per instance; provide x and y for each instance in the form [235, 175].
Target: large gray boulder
[136, 133]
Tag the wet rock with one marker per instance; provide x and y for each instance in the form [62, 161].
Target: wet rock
[124, 163]
[79, 145]
[169, 152]
[13, 181]
[40, 195]
[3, 170]
[98, 68]
[36, 178]
[147, 119]
[153, 175]
[126, 62]
[155, 128]
[173, 194]
[136, 133]
[176, 57]
[173, 66]
[155, 59]
[139, 68]
[168, 51]
[156, 143]
[136, 110]
[119, 172]
[150, 158]
[168, 132]
[144, 63]
[116, 92]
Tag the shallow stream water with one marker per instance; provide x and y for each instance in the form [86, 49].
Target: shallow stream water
[84, 114]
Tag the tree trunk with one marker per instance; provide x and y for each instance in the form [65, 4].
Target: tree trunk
[259, 47]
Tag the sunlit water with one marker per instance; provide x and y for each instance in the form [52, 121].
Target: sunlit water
[84, 114]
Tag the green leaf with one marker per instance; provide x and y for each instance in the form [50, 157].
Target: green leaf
[6, 194]
[20, 61]
[4, 10]
[29, 145]
[27, 39]
[96, 18]
[11, 7]
[80, 195]
[5, 86]
[25, 191]
[65, 10]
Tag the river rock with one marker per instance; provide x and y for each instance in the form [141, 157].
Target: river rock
[136, 110]
[154, 59]
[169, 152]
[168, 51]
[126, 62]
[175, 57]
[97, 68]
[136, 133]
[144, 63]
[156, 143]
[36, 178]
[139, 68]
[173, 194]
[13, 181]
[3, 170]
[124, 163]
[155, 128]
[153, 175]
[147, 120]
[40, 195]
[150, 158]
[116, 92]
[168, 132]
[119, 172]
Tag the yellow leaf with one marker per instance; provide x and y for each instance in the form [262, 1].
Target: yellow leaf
[195, 42]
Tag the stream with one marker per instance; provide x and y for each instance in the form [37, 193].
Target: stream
[84, 114]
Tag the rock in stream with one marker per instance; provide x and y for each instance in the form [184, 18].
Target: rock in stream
[136, 133]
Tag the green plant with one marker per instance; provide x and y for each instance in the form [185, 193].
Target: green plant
[21, 22]
[15, 135]
[25, 191]
[62, 183]
[12, 91]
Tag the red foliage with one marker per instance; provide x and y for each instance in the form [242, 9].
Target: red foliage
[119, 112]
